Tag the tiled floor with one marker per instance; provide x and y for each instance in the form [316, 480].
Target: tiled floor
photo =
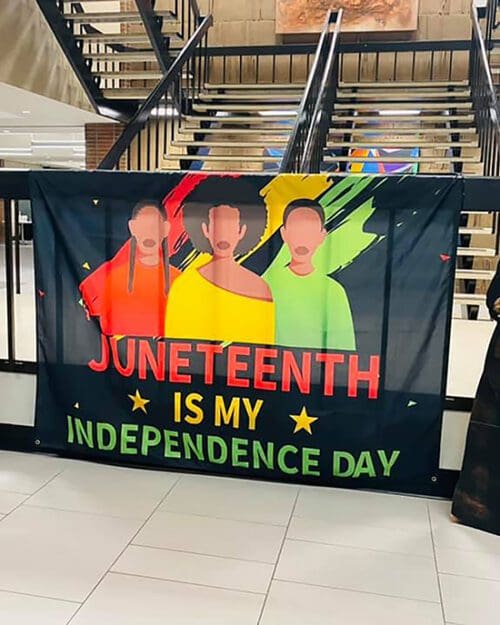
[88, 545]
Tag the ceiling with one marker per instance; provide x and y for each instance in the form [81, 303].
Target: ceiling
[37, 131]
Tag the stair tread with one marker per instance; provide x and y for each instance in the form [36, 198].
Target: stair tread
[367, 106]
[234, 144]
[123, 57]
[260, 97]
[403, 97]
[123, 37]
[260, 158]
[380, 130]
[476, 230]
[401, 159]
[467, 117]
[229, 131]
[198, 106]
[237, 119]
[475, 251]
[469, 297]
[474, 274]
[144, 75]
[391, 143]
[115, 16]
[262, 85]
[132, 93]
[404, 84]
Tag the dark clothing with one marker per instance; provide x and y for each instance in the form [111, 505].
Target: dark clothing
[477, 496]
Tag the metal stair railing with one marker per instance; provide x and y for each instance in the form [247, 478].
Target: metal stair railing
[292, 159]
[77, 50]
[145, 136]
[321, 118]
[484, 100]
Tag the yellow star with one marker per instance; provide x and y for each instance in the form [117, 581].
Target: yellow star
[303, 421]
[139, 402]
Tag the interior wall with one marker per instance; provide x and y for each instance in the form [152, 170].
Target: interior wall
[31, 57]
[253, 21]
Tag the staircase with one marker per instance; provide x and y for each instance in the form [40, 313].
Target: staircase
[399, 126]
[121, 48]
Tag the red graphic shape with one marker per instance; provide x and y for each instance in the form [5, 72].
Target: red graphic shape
[41, 293]
[444, 257]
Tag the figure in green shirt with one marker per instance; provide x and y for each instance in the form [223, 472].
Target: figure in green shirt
[312, 309]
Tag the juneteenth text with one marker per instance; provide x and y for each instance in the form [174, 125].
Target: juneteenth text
[241, 366]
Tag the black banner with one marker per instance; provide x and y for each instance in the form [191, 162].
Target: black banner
[289, 327]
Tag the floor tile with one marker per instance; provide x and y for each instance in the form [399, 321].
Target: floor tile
[298, 604]
[349, 506]
[101, 489]
[9, 501]
[448, 535]
[394, 574]
[128, 600]
[228, 498]
[59, 554]
[26, 473]
[209, 536]
[414, 540]
[25, 610]
[470, 601]
[196, 569]
[469, 563]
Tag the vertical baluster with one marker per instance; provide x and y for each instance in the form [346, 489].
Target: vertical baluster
[9, 276]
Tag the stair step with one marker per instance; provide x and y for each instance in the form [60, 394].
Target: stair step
[259, 97]
[257, 85]
[410, 96]
[198, 106]
[381, 131]
[381, 106]
[475, 230]
[394, 144]
[258, 158]
[413, 119]
[278, 130]
[404, 85]
[474, 274]
[132, 38]
[241, 119]
[122, 17]
[401, 159]
[123, 57]
[469, 298]
[476, 251]
[233, 144]
[145, 75]
[132, 93]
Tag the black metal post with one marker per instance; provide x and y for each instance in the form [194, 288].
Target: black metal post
[16, 247]
[9, 271]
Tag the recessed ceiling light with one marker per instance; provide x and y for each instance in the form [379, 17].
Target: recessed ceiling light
[6, 131]
[26, 112]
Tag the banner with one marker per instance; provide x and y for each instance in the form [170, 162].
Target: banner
[282, 327]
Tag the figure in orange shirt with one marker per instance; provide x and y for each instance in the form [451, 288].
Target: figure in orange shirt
[129, 293]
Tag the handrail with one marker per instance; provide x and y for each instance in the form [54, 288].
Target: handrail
[195, 9]
[290, 161]
[484, 100]
[484, 58]
[153, 30]
[320, 122]
[142, 115]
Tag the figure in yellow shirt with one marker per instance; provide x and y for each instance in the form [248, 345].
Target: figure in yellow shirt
[221, 300]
